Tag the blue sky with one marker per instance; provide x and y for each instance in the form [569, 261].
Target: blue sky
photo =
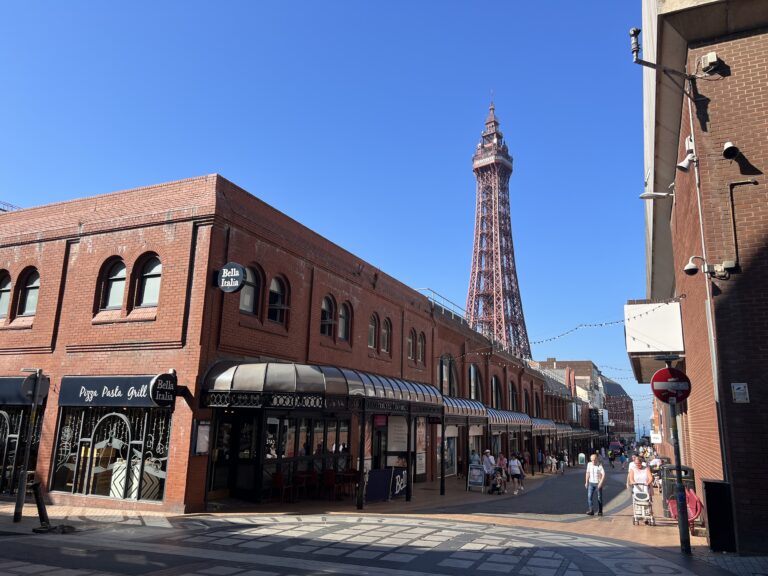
[359, 120]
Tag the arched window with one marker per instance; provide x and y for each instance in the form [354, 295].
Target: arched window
[29, 291]
[386, 336]
[5, 295]
[250, 293]
[411, 344]
[449, 378]
[113, 287]
[345, 321]
[327, 315]
[278, 301]
[527, 402]
[537, 413]
[149, 282]
[475, 386]
[495, 393]
[512, 397]
[420, 346]
[373, 332]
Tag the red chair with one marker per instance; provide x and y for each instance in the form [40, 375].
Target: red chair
[692, 503]
[280, 487]
[330, 486]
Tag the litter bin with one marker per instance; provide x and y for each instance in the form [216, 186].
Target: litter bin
[582, 459]
[718, 508]
[668, 481]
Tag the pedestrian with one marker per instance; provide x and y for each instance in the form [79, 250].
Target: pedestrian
[561, 462]
[593, 482]
[540, 460]
[623, 460]
[515, 471]
[501, 462]
[488, 465]
[474, 458]
[639, 473]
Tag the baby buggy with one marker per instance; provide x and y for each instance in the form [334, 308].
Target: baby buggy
[642, 507]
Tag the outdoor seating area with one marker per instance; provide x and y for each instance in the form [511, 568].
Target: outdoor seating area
[310, 484]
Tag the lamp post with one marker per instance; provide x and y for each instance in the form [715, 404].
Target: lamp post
[35, 386]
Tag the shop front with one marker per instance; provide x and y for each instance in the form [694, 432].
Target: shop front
[113, 436]
[465, 424]
[291, 431]
[544, 435]
[15, 410]
[507, 430]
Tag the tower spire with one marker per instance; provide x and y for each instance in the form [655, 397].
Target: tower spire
[494, 307]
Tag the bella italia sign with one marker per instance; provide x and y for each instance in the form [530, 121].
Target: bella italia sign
[231, 278]
[119, 391]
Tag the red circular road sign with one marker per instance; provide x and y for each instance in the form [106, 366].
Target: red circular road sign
[670, 383]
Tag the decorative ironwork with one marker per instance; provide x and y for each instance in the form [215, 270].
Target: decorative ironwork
[13, 437]
[216, 399]
[337, 403]
[309, 401]
[386, 405]
[494, 307]
[116, 453]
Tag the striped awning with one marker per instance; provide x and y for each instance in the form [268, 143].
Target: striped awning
[564, 429]
[505, 417]
[274, 377]
[463, 407]
[543, 426]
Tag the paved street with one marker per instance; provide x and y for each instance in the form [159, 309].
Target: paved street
[491, 535]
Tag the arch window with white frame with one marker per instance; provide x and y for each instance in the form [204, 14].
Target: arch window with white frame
[386, 336]
[373, 332]
[278, 301]
[149, 283]
[327, 315]
[421, 345]
[448, 376]
[250, 293]
[345, 322]
[495, 393]
[475, 386]
[30, 288]
[113, 286]
[5, 294]
[412, 344]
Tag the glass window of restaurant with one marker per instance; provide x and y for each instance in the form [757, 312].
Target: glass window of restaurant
[111, 441]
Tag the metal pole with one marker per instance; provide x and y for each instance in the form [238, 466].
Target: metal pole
[408, 464]
[361, 464]
[442, 456]
[21, 491]
[682, 508]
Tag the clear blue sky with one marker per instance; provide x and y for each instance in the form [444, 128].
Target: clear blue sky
[359, 120]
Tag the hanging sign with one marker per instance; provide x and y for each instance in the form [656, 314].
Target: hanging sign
[231, 278]
[670, 385]
[162, 390]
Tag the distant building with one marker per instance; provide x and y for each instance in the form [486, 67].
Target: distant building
[621, 411]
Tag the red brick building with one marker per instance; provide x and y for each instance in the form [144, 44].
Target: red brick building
[706, 119]
[621, 410]
[115, 297]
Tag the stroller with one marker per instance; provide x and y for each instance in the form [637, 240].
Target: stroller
[642, 508]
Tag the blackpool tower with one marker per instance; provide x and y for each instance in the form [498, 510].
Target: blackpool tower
[494, 307]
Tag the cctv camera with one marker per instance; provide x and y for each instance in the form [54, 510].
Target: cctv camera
[686, 163]
[691, 269]
[730, 151]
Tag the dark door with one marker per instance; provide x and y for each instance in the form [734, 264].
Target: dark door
[379, 449]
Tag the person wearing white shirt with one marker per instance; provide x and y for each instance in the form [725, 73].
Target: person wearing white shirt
[593, 482]
[489, 463]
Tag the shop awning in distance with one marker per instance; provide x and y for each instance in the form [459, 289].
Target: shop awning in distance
[564, 429]
[12, 391]
[464, 407]
[272, 384]
[503, 418]
[542, 426]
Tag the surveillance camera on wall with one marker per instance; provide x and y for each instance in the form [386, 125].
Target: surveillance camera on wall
[686, 163]
[730, 151]
[691, 269]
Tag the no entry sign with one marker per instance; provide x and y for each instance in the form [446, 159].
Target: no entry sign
[670, 383]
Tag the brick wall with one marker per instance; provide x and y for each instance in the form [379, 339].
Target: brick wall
[732, 107]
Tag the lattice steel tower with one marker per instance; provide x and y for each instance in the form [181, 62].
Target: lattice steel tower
[494, 307]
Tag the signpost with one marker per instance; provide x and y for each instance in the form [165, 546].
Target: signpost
[671, 386]
[35, 387]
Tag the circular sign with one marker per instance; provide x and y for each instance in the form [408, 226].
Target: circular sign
[162, 390]
[231, 278]
[669, 383]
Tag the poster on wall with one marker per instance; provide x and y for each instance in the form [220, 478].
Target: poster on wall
[397, 434]
[421, 446]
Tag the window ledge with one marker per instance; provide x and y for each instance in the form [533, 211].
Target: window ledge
[18, 323]
[115, 316]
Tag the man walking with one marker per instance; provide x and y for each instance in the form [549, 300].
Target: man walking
[540, 460]
[593, 482]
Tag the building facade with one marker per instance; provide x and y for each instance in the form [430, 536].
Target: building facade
[705, 124]
[319, 369]
[621, 411]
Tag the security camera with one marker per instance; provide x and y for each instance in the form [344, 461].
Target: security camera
[730, 151]
[691, 269]
[686, 163]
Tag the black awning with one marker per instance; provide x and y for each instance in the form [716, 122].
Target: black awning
[11, 393]
[118, 391]
[229, 377]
